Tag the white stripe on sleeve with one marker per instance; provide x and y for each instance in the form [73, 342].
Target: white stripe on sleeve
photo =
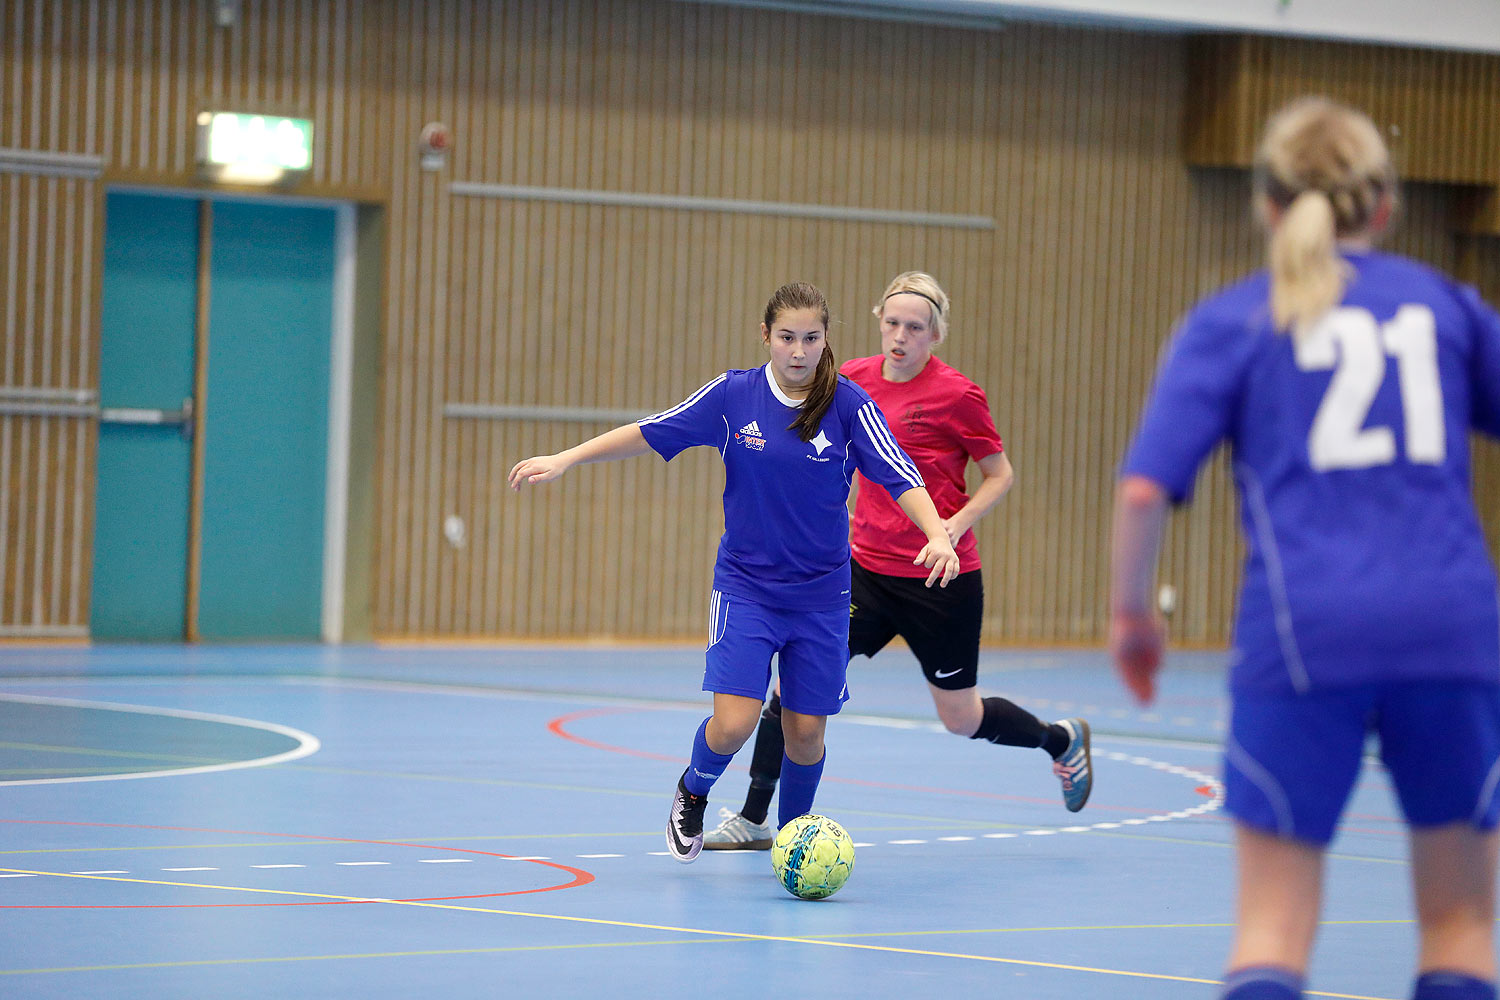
[880, 435]
[685, 404]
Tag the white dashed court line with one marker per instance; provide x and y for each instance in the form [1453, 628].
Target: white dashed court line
[1214, 801]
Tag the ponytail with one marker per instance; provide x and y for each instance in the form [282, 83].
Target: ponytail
[1325, 168]
[819, 398]
[1307, 275]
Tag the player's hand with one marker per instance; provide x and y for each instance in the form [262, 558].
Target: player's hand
[956, 528]
[938, 556]
[540, 469]
[1136, 642]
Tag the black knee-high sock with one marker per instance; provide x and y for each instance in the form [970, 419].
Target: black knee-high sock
[765, 762]
[1008, 724]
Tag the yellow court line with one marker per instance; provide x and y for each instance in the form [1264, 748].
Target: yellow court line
[736, 935]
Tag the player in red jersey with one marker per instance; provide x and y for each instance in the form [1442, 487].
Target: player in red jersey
[942, 420]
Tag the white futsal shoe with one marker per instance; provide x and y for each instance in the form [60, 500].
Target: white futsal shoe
[736, 833]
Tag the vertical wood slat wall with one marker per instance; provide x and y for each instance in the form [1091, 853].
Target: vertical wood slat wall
[1069, 138]
[1436, 108]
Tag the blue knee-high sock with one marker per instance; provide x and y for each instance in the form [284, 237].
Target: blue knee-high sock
[799, 784]
[1262, 982]
[706, 765]
[1438, 985]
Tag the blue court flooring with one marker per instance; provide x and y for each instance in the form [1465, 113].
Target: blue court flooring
[384, 821]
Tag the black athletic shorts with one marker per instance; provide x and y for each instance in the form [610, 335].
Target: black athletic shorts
[941, 625]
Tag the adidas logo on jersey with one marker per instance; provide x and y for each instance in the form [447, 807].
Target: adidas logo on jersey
[751, 437]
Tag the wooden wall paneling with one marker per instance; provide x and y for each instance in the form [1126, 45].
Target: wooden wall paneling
[1439, 103]
[441, 56]
[10, 496]
[429, 340]
[1068, 137]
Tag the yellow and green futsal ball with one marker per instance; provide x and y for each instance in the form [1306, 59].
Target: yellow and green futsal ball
[812, 857]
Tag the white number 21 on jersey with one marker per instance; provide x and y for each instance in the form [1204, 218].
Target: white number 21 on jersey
[1349, 341]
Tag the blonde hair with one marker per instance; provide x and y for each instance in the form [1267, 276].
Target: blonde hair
[923, 284]
[1324, 165]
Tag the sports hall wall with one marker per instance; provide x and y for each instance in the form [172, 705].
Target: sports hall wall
[1073, 188]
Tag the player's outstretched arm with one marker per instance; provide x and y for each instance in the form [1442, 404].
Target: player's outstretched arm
[622, 442]
[1137, 633]
[937, 555]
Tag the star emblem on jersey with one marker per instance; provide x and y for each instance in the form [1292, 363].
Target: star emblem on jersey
[820, 442]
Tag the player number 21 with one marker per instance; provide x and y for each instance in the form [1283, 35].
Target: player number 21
[1349, 341]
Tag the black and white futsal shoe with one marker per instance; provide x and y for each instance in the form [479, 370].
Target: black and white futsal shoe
[685, 824]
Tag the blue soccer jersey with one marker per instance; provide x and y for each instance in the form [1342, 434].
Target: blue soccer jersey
[1365, 558]
[786, 515]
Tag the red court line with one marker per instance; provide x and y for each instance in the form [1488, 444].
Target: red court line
[580, 877]
[558, 727]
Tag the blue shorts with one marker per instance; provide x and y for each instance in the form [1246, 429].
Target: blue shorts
[1291, 760]
[812, 649]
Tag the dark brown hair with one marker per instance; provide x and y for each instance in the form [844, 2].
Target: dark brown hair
[801, 295]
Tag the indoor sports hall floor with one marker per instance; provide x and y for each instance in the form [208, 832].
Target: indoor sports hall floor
[357, 821]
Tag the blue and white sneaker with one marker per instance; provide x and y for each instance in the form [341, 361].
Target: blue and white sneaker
[1075, 766]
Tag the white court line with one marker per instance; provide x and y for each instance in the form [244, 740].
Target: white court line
[307, 744]
[1215, 801]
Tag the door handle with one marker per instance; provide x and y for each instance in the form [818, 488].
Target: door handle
[183, 418]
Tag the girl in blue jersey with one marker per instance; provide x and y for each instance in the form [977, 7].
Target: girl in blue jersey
[1345, 382]
[791, 434]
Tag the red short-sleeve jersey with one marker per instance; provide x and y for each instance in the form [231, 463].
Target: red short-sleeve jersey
[943, 420]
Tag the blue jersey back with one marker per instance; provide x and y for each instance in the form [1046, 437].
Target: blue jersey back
[786, 514]
[1366, 560]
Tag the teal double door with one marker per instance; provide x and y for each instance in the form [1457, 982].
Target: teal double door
[217, 323]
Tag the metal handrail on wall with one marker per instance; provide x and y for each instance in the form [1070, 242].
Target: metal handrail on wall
[557, 414]
[48, 163]
[30, 401]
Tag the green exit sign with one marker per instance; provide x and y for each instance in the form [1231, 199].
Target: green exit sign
[253, 149]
